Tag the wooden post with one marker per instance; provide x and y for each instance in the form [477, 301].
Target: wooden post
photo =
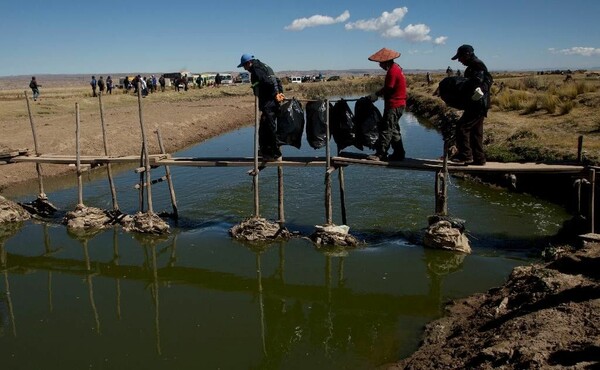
[342, 194]
[281, 210]
[145, 150]
[111, 182]
[328, 206]
[38, 166]
[256, 171]
[580, 148]
[78, 158]
[441, 186]
[168, 174]
[591, 211]
[141, 185]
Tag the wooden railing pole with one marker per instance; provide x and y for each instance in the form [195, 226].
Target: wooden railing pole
[281, 210]
[256, 170]
[441, 186]
[38, 166]
[111, 182]
[580, 148]
[592, 209]
[328, 206]
[169, 179]
[145, 149]
[78, 157]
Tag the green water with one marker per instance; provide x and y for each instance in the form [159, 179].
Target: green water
[198, 299]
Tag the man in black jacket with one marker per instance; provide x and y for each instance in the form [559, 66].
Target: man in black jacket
[267, 87]
[469, 128]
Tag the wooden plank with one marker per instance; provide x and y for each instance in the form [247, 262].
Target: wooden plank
[435, 165]
[65, 159]
[241, 162]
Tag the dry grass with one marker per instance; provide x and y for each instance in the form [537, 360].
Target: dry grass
[540, 117]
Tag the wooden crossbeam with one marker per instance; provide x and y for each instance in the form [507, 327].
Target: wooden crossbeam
[67, 159]
[346, 158]
[241, 162]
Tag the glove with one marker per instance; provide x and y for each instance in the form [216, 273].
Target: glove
[478, 94]
[279, 97]
[373, 97]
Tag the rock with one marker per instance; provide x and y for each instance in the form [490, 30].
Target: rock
[40, 207]
[87, 218]
[11, 211]
[442, 235]
[257, 228]
[149, 223]
[333, 236]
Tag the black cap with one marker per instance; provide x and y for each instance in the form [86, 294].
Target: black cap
[462, 50]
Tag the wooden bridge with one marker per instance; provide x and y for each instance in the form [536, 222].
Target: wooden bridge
[330, 163]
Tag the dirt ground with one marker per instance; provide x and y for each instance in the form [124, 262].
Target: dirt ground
[183, 120]
[544, 317]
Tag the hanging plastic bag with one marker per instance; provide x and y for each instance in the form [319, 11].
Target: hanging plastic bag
[341, 121]
[316, 123]
[453, 91]
[366, 119]
[290, 123]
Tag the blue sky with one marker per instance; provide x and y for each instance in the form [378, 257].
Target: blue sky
[95, 37]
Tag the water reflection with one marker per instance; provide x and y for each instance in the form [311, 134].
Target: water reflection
[330, 318]
[193, 297]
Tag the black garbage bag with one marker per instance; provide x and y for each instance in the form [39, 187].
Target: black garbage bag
[455, 92]
[290, 123]
[316, 123]
[366, 119]
[341, 124]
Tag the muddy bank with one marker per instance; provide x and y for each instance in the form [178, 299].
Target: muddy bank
[546, 316]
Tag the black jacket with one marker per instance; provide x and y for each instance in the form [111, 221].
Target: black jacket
[264, 83]
[478, 76]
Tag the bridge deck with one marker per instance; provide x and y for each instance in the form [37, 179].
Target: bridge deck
[344, 159]
[435, 165]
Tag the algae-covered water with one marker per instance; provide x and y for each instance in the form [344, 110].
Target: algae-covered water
[198, 299]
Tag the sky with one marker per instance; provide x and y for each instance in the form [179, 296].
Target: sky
[95, 37]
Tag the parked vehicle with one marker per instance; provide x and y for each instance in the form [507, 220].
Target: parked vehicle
[296, 79]
[334, 78]
[226, 79]
[244, 77]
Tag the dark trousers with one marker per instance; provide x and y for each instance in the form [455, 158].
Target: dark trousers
[469, 136]
[389, 132]
[267, 131]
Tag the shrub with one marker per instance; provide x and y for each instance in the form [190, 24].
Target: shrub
[531, 106]
[566, 107]
[511, 100]
[567, 91]
[583, 87]
[549, 102]
[531, 82]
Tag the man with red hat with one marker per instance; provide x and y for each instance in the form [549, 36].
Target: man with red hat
[469, 127]
[394, 97]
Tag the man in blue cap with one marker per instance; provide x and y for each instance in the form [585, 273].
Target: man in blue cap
[469, 128]
[269, 90]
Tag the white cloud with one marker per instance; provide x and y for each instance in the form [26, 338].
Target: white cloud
[440, 40]
[388, 25]
[578, 50]
[382, 24]
[316, 20]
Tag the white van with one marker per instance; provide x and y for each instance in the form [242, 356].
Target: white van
[296, 80]
[226, 79]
